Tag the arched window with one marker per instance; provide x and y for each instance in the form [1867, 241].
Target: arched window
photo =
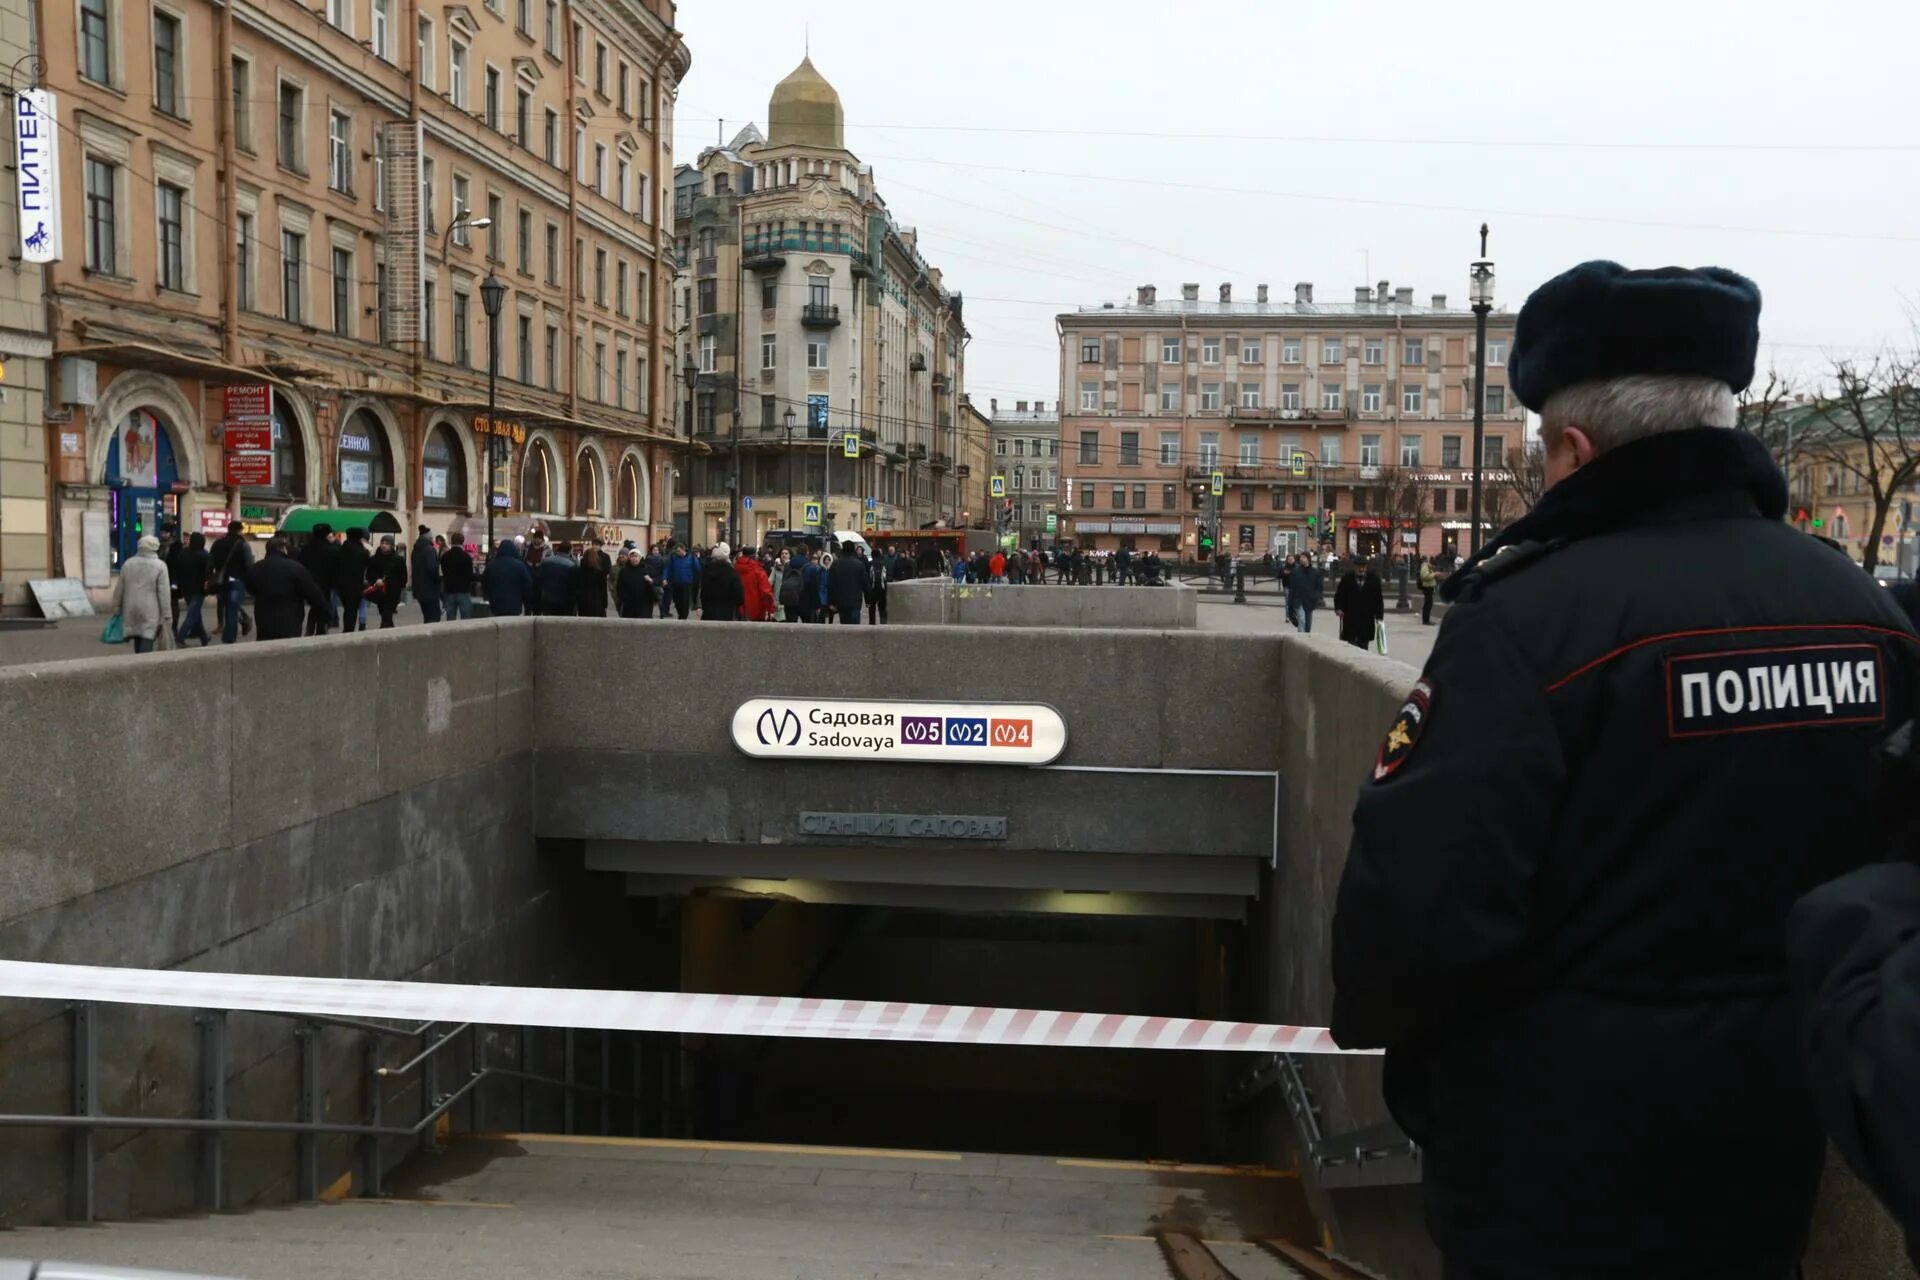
[536, 479]
[367, 473]
[289, 458]
[141, 472]
[1839, 522]
[443, 480]
[586, 484]
[628, 505]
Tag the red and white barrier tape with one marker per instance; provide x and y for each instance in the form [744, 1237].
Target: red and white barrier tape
[651, 1010]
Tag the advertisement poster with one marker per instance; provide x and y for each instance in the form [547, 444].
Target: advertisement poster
[816, 417]
[356, 476]
[140, 450]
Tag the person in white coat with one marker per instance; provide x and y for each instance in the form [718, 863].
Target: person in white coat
[143, 597]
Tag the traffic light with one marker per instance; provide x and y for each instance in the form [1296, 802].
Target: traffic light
[1312, 521]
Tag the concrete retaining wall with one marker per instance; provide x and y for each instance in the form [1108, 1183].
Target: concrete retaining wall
[937, 602]
[1335, 702]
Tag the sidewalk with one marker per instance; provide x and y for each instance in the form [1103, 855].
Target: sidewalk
[73, 638]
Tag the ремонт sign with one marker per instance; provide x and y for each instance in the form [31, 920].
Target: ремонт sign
[902, 731]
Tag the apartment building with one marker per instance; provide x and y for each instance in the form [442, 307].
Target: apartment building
[827, 355]
[293, 213]
[1318, 417]
[26, 473]
[1026, 456]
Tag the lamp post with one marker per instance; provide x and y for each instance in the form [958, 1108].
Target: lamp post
[1480, 290]
[493, 291]
[787, 420]
[691, 372]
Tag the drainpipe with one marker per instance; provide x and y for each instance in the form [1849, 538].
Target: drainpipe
[575, 156]
[662, 291]
[409, 37]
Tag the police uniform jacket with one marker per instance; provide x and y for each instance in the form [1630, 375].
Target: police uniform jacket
[1643, 733]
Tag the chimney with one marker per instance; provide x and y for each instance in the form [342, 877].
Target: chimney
[1226, 293]
[1362, 295]
[1019, 406]
[1039, 406]
[1303, 292]
[1381, 296]
[993, 408]
[1404, 297]
[1146, 295]
[1439, 302]
[1261, 294]
[1190, 292]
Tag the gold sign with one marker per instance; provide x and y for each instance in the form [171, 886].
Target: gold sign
[484, 426]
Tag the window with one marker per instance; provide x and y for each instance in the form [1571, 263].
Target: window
[1129, 448]
[1246, 500]
[553, 358]
[424, 52]
[1209, 397]
[553, 254]
[1493, 452]
[1209, 449]
[620, 287]
[1250, 353]
[819, 292]
[490, 97]
[1370, 398]
[622, 178]
[1086, 495]
[1170, 351]
[381, 302]
[523, 243]
[551, 146]
[522, 21]
[1290, 396]
[600, 372]
[343, 292]
[1496, 399]
[496, 226]
[1089, 448]
[293, 257]
[523, 347]
[427, 194]
[1412, 396]
[293, 108]
[1290, 351]
[1280, 498]
[337, 14]
[1369, 451]
[96, 48]
[1169, 448]
[579, 54]
[1331, 352]
[339, 152]
[600, 168]
[462, 330]
[707, 353]
[1409, 451]
[1330, 397]
[1169, 497]
[600, 68]
[243, 258]
[169, 207]
[1119, 497]
[769, 292]
[1000, 447]
[769, 350]
[166, 63]
[1329, 451]
[1170, 396]
[242, 76]
[457, 73]
[462, 206]
[379, 173]
[100, 215]
[1020, 449]
[383, 30]
[1249, 451]
[429, 334]
[816, 353]
[708, 296]
[553, 28]
[620, 95]
[1249, 395]
[1413, 351]
[1496, 351]
[1373, 351]
[1090, 351]
[1089, 395]
[1019, 480]
[1449, 451]
[1209, 351]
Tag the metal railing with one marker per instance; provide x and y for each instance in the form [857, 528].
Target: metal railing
[213, 1124]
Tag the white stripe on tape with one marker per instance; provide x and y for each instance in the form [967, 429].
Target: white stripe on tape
[687, 1014]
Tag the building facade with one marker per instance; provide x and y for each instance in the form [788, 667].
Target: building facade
[1344, 420]
[826, 355]
[26, 475]
[289, 214]
[1026, 456]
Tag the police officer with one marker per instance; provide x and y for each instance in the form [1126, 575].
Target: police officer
[1643, 733]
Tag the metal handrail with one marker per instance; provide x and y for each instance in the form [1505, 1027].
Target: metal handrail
[425, 1053]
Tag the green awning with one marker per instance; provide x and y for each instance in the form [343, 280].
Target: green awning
[302, 520]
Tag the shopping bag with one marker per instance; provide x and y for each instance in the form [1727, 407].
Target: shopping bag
[1379, 637]
[114, 632]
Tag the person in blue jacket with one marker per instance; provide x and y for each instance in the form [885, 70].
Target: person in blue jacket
[508, 583]
[813, 590]
[682, 572]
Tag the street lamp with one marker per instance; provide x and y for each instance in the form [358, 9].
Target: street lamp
[1480, 291]
[692, 371]
[787, 420]
[493, 291]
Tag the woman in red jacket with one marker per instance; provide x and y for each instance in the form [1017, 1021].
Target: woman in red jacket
[756, 587]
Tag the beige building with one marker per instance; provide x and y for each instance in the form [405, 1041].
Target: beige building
[1305, 409]
[1026, 456]
[292, 199]
[827, 355]
[26, 477]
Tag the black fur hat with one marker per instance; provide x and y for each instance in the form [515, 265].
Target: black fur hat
[1600, 320]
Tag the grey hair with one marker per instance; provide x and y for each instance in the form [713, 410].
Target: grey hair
[1617, 411]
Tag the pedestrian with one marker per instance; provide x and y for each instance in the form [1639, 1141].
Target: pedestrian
[847, 582]
[227, 580]
[424, 576]
[590, 582]
[634, 591]
[876, 591]
[555, 576]
[143, 597]
[721, 592]
[350, 577]
[655, 564]
[386, 580]
[1564, 910]
[170, 547]
[189, 574]
[997, 567]
[1427, 583]
[285, 594]
[813, 587]
[1304, 588]
[778, 577]
[507, 581]
[317, 557]
[757, 602]
[456, 580]
[959, 568]
[1359, 604]
[682, 572]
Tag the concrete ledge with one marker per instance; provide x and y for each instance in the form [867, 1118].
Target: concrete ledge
[937, 602]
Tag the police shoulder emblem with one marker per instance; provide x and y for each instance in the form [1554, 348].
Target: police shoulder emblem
[1409, 722]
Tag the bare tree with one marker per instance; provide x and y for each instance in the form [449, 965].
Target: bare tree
[1766, 413]
[1407, 499]
[1527, 476]
[1867, 431]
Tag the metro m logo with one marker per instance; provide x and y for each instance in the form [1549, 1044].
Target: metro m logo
[782, 730]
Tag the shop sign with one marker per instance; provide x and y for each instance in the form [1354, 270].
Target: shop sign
[254, 511]
[214, 523]
[36, 163]
[248, 437]
[899, 732]
[249, 470]
[249, 400]
[258, 528]
[516, 431]
[351, 443]
[501, 502]
[1369, 522]
[356, 476]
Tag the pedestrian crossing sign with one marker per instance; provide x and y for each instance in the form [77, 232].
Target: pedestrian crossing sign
[811, 512]
[1219, 483]
[1299, 464]
[850, 444]
[870, 521]
[999, 489]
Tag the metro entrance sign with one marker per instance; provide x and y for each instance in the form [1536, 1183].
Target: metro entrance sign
[899, 732]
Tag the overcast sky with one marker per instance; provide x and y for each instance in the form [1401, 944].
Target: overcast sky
[1346, 144]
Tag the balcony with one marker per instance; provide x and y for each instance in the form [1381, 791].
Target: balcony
[942, 383]
[1237, 473]
[917, 363]
[763, 255]
[964, 470]
[1270, 413]
[820, 315]
[861, 267]
[916, 451]
[940, 462]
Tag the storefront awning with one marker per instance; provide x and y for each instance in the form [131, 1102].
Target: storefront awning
[145, 355]
[303, 519]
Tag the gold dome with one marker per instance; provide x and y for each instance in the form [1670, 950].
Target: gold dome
[805, 111]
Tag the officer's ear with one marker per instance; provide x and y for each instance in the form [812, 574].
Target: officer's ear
[1571, 450]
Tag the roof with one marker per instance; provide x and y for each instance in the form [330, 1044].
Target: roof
[1274, 310]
